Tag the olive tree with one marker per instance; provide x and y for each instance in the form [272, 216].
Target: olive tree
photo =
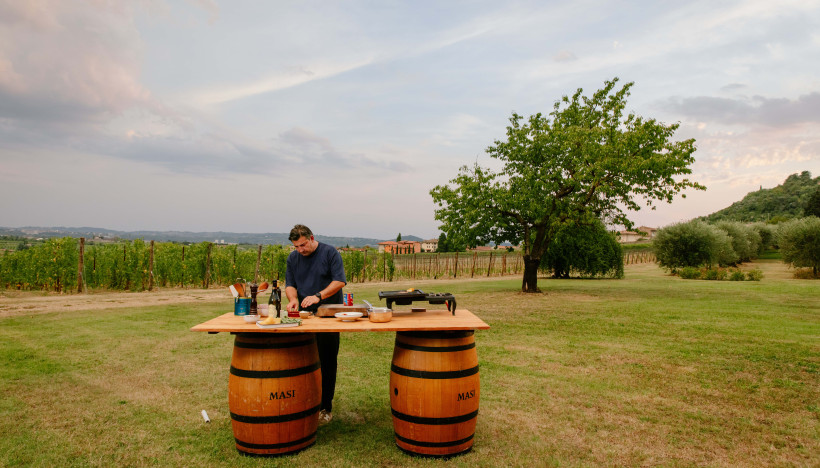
[586, 160]
[799, 242]
[692, 244]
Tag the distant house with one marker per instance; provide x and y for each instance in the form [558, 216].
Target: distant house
[430, 245]
[351, 249]
[400, 247]
[645, 234]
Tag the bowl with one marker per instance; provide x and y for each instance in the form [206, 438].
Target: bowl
[304, 314]
[251, 318]
[348, 316]
[380, 314]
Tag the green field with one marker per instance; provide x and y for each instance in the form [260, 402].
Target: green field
[650, 370]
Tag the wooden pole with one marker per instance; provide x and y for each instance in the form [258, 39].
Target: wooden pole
[258, 261]
[472, 271]
[151, 267]
[490, 265]
[208, 267]
[80, 279]
[363, 276]
[455, 266]
[504, 264]
[182, 276]
[414, 266]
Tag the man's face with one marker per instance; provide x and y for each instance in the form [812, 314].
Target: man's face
[305, 245]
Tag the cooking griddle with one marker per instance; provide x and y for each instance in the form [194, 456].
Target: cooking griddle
[409, 297]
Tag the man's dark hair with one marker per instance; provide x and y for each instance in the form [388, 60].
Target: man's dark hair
[300, 230]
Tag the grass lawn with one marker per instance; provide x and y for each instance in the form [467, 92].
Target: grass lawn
[650, 370]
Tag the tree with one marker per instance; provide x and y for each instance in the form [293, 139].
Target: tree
[442, 246]
[812, 207]
[398, 238]
[590, 250]
[692, 244]
[799, 242]
[585, 161]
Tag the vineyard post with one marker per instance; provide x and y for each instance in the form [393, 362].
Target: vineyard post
[490, 265]
[472, 271]
[504, 264]
[455, 266]
[362, 275]
[258, 260]
[207, 280]
[384, 266]
[80, 279]
[182, 276]
[414, 265]
[151, 267]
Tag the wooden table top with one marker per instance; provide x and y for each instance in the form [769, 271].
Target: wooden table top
[430, 320]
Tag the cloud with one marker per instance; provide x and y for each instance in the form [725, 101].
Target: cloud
[277, 80]
[564, 56]
[759, 110]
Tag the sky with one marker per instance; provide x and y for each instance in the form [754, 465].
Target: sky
[252, 116]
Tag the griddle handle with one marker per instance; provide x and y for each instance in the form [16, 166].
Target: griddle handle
[453, 305]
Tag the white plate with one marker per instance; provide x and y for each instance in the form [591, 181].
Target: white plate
[348, 316]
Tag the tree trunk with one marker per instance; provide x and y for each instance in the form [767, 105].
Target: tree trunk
[530, 282]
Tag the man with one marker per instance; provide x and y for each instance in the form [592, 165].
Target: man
[315, 275]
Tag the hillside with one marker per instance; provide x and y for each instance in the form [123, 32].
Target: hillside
[186, 236]
[782, 202]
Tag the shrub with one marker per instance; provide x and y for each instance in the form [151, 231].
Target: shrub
[804, 273]
[689, 273]
[799, 242]
[737, 275]
[587, 249]
[711, 274]
[754, 275]
[693, 244]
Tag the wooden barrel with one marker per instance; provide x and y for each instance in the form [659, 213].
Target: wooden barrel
[434, 392]
[274, 392]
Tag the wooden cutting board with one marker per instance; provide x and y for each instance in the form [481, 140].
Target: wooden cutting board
[330, 310]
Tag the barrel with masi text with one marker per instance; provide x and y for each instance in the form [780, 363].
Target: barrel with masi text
[274, 392]
[434, 392]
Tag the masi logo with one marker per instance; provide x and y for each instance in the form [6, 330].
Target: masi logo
[466, 395]
[282, 395]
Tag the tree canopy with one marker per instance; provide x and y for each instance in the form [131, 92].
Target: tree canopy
[788, 200]
[586, 160]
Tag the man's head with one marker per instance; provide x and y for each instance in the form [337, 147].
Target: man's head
[302, 238]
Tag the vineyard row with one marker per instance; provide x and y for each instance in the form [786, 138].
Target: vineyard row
[67, 264]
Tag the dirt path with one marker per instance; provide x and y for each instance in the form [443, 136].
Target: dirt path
[17, 303]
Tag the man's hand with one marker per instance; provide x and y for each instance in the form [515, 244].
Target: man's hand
[309, 301]
[293, 305]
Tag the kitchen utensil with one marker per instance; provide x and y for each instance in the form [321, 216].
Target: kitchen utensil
[234, 291]
[240, 289]
[263, 287]
[380, 314]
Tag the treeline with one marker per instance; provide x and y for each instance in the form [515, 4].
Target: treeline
[685, 247]
[797, 196]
